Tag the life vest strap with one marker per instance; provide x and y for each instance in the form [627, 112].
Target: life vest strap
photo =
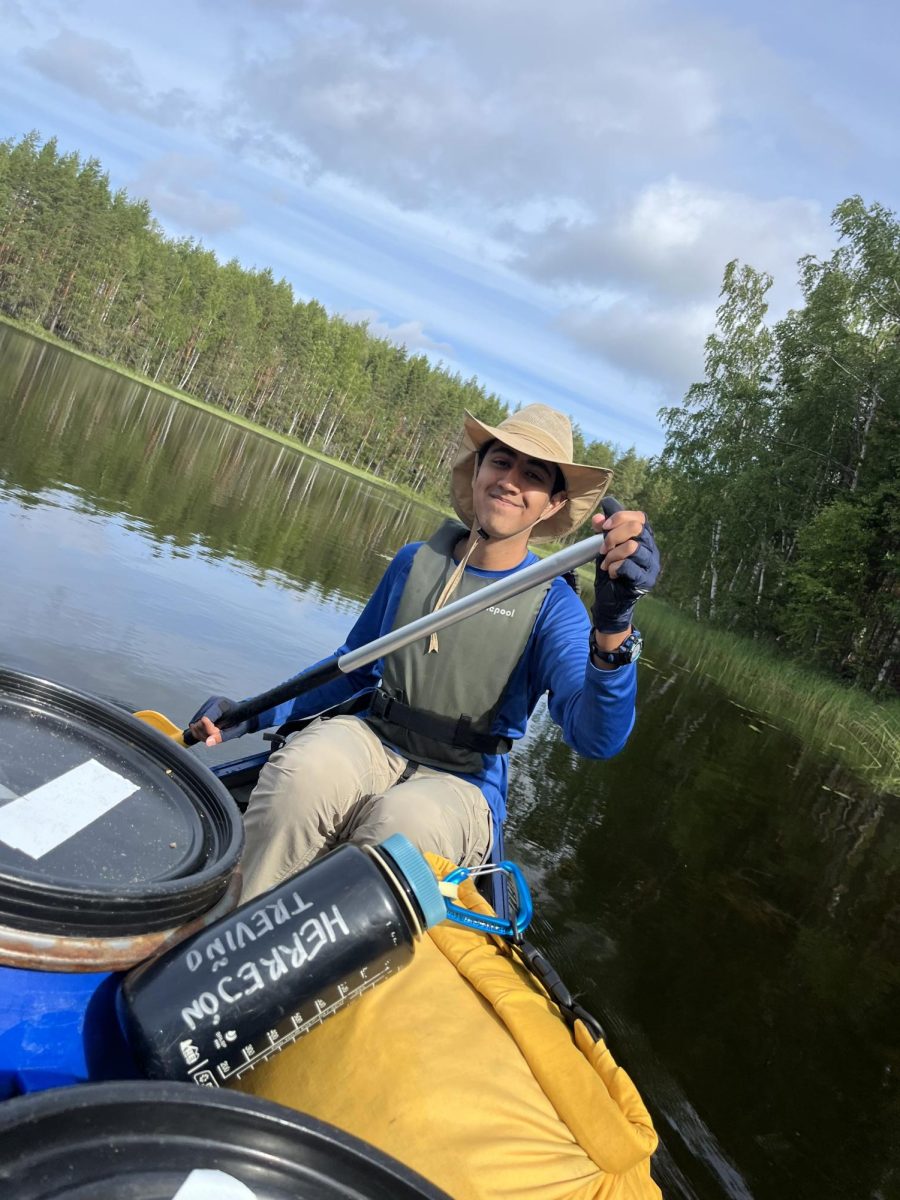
[452, 732]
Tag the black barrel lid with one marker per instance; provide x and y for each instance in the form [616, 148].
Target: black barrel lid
[106, 826]
[162, 1141]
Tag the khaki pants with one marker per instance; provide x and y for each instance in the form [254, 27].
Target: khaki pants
[335, 781]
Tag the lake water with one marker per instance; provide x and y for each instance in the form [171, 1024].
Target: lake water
[724, 900]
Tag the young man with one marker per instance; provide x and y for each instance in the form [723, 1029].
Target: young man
[429, 757]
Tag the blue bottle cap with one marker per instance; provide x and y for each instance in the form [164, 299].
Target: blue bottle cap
[419, 876]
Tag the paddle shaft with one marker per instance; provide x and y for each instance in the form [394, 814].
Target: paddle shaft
[343, 664]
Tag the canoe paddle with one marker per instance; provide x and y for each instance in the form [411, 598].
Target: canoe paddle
[343, 664]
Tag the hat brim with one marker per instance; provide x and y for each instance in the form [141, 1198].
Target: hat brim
[585, 485]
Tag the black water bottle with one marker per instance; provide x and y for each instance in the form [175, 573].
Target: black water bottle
[236, 993]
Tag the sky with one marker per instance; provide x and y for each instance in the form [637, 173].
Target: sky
[540, 194]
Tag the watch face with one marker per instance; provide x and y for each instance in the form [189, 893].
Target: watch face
[628, 652]
[637, 645]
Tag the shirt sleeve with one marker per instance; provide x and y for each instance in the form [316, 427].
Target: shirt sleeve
[376, 618]
[595, 709]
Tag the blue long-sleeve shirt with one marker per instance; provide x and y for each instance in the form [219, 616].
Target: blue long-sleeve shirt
[594, 709]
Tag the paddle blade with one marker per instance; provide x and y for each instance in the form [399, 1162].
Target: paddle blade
[157, 721]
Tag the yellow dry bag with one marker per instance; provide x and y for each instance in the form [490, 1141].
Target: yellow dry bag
[462, 1068]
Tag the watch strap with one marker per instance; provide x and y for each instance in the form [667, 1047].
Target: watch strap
[628, 651]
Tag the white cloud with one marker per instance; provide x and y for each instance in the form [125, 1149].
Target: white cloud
[674, 238]
[12, 13]
[468, 104]
[538, 127]
[410, 334]
[658, 262]
[513, 102]
[107, 74]
[641, 339]
[170, 185]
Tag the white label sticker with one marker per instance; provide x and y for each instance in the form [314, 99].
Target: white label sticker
[39, 821]
[207, 1184]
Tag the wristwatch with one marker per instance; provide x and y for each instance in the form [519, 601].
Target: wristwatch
[628, 652]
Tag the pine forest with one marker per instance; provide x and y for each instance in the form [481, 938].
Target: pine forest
[774, 499]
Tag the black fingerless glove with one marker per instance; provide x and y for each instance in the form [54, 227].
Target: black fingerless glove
[217, 707]
[614, 599]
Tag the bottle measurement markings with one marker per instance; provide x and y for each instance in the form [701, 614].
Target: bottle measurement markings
[276, 1040]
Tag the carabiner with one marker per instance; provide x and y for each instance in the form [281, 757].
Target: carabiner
[486, 924]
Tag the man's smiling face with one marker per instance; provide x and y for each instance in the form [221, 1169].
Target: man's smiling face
[512, 492]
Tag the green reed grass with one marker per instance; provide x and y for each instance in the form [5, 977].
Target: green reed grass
[838, 721]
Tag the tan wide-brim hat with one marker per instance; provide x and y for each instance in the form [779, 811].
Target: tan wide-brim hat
[540, 432]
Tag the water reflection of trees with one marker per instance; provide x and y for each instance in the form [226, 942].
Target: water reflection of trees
[733, 921]
[191, 480]
[745, 919]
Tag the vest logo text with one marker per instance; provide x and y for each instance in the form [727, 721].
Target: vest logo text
[502, 612]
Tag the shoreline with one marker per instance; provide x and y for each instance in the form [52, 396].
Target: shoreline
[43, 335]
[810, 705]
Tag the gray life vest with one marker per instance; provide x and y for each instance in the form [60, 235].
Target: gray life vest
[437, 709]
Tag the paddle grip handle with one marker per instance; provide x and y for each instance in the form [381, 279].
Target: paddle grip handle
[306, 681]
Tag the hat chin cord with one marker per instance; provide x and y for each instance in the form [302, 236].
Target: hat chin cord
[477, 534]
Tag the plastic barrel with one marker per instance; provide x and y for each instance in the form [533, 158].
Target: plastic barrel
[114, 844]
[173, 1141]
